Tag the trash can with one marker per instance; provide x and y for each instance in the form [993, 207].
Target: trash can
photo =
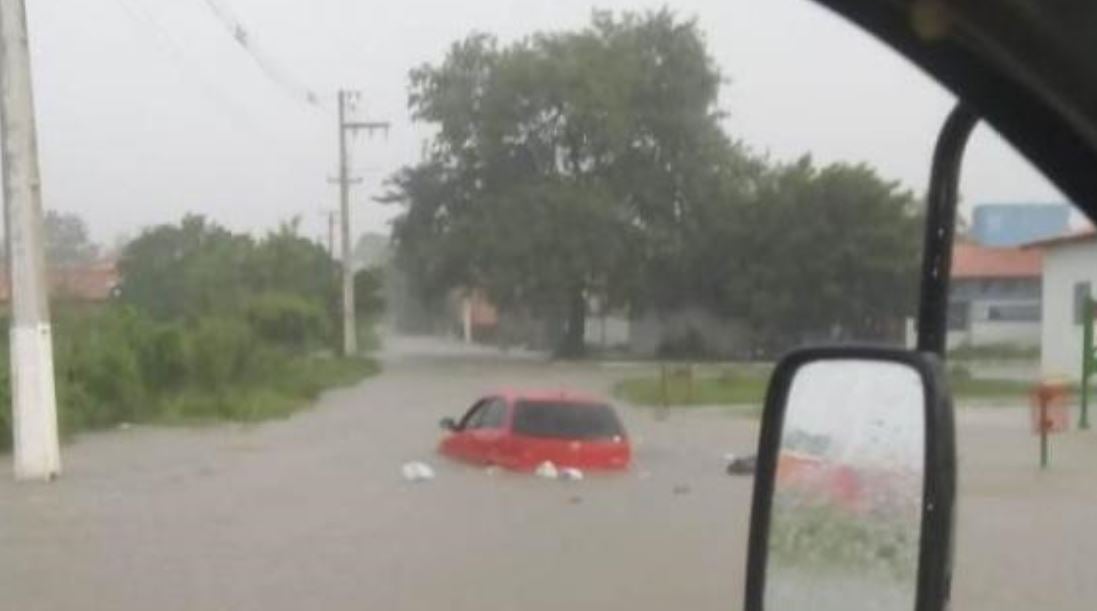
[1050, 410]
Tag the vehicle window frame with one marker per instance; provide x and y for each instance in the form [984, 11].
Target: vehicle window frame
[472, 413]
[487, 408]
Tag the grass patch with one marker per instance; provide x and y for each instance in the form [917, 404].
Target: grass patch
[302, 381]
[995, 352]
[741, 386]
[732, 387]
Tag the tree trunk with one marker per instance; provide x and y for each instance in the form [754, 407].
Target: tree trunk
[572, 344]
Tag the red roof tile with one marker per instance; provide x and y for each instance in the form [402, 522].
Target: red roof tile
[89, 283]
[974, 261]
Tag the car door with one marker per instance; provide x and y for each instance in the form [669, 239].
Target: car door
[487, 431]
[459, 443]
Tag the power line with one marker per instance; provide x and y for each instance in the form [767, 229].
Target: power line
[148, 24]
[281, 77]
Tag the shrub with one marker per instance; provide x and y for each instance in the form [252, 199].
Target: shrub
[221, 350]
[165, 357]
[288, 320]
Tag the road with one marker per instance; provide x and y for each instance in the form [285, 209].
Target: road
[311, 512]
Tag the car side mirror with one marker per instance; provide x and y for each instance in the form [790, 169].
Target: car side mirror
[855, 484]
[448, 424]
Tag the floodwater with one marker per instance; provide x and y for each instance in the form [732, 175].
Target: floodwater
[312, 512]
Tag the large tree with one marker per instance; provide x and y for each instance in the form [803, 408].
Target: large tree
[563, 164]
[833, 253]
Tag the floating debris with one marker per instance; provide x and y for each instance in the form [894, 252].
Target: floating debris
[417, 471]
[742, 466]
[547, 470]
[571, 474]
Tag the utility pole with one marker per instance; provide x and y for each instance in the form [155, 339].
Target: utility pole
[346, 100]
[331, 233]
[37, 454]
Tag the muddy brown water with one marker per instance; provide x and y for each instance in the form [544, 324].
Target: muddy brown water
[311, 512]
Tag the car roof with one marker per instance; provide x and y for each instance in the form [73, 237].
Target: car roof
[558, 395]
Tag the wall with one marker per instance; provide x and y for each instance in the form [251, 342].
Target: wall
[607, 332]
[1016, 224]
[979, 298]
[649, 331]
[1061, 338]
[996, 332]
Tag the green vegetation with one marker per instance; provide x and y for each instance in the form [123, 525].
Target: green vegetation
[593, 165]
[733, 387]
[995, 352]
[210, 325]
[747, 386]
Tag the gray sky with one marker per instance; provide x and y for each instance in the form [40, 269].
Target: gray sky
[149, 109]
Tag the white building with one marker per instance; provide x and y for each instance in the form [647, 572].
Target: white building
[995, 297]
[1070, 273]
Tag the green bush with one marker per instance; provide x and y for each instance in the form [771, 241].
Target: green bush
[288, 320]
[165, 357]
[221, 351]
[97, 370]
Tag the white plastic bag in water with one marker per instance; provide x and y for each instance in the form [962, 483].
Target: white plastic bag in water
[547, 470]
[416, 471]
[571, 474]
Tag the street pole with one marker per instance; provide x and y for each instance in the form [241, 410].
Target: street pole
[331, 234]
[350, 333]
[350, 337]
[37, 454]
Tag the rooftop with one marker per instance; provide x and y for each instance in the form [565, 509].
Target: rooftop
[94, 282]
[1084, 235]
[975, 261]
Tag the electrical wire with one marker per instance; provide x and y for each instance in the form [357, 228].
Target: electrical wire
[275, 72]
[148, 25]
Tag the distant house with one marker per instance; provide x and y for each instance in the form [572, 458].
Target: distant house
[1069, 275]
[995, 297]
[79, 283]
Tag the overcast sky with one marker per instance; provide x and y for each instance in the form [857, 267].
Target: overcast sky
[148, 109]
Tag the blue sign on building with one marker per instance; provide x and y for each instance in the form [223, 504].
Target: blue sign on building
[1005, 225]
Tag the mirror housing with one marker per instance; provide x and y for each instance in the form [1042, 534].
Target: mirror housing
[448, 424]
[932, 583]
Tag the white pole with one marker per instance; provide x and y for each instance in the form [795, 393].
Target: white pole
[466, 318]
[37, 455]
[350, 333]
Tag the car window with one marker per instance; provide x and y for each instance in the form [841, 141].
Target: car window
[493, 415]
[565, 420]
[471, 419]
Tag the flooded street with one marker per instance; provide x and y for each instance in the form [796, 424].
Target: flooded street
[312, 512]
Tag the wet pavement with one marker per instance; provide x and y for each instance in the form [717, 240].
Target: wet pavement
[312, 512]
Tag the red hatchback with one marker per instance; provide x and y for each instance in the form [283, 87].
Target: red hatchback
[521, 430]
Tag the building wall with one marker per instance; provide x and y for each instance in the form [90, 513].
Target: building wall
[1015, 224]
[606, 332]
[984, 303]
[650, 331]
[1061, 338]
[994, 333]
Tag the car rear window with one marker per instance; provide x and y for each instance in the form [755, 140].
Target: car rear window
[566, 420]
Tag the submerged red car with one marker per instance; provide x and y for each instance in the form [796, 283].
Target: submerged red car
[520, 430]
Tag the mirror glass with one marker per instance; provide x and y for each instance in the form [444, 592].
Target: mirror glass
[846, 513]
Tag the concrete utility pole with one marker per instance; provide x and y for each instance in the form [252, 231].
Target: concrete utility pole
[37, 454]
[346, 101]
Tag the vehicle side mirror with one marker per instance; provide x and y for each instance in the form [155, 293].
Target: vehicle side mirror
[448, 424]
[855, 484]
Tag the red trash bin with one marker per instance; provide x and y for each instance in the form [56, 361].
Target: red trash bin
[1050, 410]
